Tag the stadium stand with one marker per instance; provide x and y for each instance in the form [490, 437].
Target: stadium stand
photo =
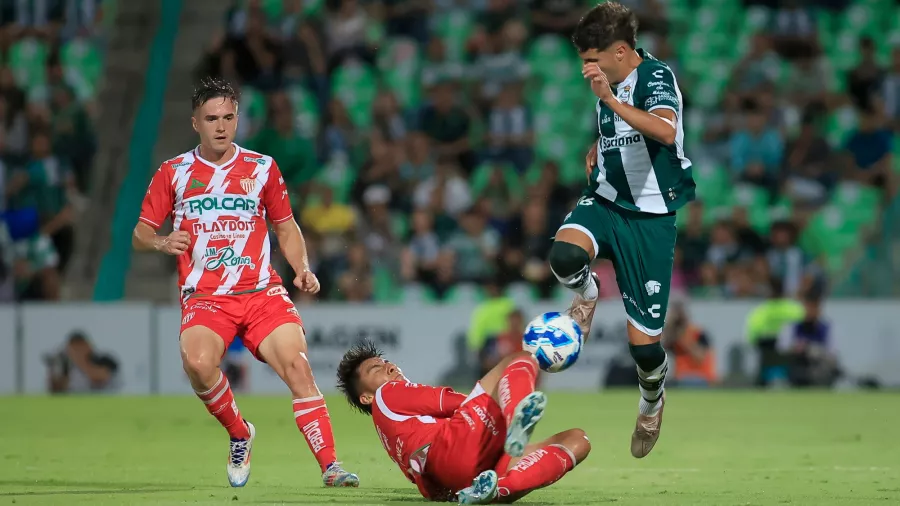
[447, 158]
[50, 69]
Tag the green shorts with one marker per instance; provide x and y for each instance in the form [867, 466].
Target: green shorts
[642, 249]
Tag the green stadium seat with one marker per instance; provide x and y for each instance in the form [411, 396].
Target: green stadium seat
[28, 61]
[83, 67]
[400, 63]
[339, 175]
[861, 19]
[482, 176]
[355, 85]
[273, 9]
[859, 204]
[713, 183]
[306, 110]
[839, 125]
[383, 287]
[756, 18]
[454, 28]
[830, 234]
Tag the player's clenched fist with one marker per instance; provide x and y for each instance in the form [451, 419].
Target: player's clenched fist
[175, 243]
[599, 82]
[307, 281]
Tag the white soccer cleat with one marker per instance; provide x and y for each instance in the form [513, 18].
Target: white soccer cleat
[336, 476]
[482, 491]
[239, 458]
[527, 414]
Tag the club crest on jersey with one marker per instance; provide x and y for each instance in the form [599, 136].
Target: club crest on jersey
[626, 93]
[248, 184]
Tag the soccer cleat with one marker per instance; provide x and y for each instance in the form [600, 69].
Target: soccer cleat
[646, 431]
[335, 476]
[527, 414]
[582, 310]
[239, 458]
[482, 491]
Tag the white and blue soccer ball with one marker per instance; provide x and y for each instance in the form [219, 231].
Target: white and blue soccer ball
[555, 340]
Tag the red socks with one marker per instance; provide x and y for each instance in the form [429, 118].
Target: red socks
[219, 401]
[517, 382]
[536, 470]
[312, 419]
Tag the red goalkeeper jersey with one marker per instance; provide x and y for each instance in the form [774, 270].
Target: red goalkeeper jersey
[408, 417]
[224, 209]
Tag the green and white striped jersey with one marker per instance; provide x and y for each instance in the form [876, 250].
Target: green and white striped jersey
[638, 173]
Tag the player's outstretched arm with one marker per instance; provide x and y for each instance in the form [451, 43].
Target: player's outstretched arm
[293, 246]
[146, 239]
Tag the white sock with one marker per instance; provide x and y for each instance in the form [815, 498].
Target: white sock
[582, 283]
[650, 397]
[590, 290]
[648, 408]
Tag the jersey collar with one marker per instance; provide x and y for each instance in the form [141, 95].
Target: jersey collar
[237, 151]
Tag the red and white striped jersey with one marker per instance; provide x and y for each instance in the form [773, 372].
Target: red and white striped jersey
[224, 209]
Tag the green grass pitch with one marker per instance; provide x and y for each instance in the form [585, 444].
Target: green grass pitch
[717, 448]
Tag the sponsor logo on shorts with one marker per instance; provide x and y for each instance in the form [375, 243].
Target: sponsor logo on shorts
[205, 305]
[629, 299]
[294, 312]
[468, 419]
[217, 258]
[313, 434]
[187, 318]
[276, 290]
[486, 419]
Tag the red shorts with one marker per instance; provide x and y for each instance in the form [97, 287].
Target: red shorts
[469, 444]
[252, 316]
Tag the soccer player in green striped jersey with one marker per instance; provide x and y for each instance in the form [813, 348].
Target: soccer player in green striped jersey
[638, 177]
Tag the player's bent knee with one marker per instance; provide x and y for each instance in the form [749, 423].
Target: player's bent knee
[522, 355]
[577, 442]
[567, 259]
[199, 366]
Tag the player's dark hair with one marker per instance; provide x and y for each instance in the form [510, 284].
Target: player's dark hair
[603, 25]
[348, 372]
[210, 88]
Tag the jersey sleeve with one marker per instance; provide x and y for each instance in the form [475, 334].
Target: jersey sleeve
[658, 90]
[275, 196]
[413, 399]
[160, 198]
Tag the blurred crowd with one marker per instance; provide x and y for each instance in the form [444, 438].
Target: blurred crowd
[410, 147]
[49, 68]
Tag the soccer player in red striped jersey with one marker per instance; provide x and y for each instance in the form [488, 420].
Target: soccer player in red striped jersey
[219, 197]
[472, 449]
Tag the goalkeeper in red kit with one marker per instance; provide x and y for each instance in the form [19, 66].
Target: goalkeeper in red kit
[472, 449]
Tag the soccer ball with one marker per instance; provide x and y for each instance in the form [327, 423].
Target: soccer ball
[555, 340]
